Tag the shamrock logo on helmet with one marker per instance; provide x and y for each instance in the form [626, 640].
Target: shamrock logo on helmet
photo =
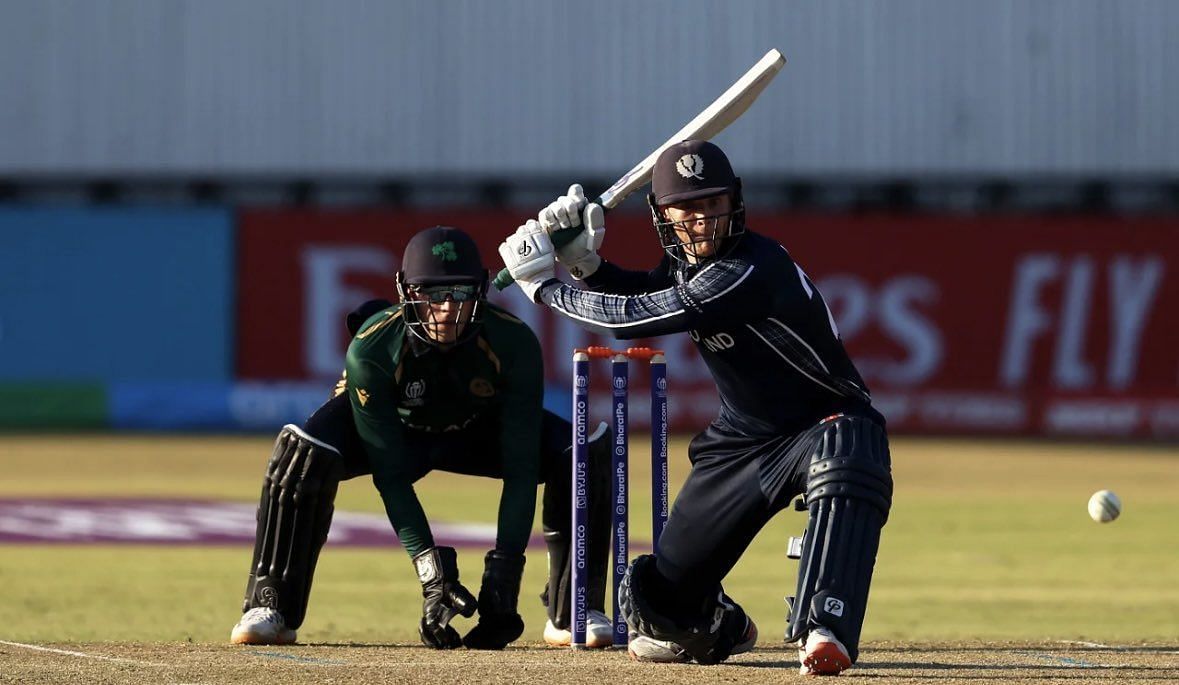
[445, 251]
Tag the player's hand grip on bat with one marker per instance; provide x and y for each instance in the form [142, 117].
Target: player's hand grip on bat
[529, 257]
[443, 597]
[560, 237]
[571, 211]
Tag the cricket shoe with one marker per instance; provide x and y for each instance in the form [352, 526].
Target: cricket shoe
[262, 626]
[822, 654]
[648, 649]
[748, 639]
[599, 632]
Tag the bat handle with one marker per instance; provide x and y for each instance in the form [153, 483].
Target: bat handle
[561, 237]
[503, 279]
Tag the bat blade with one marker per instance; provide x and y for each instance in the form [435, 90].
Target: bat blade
[712, 120]
[707, 124]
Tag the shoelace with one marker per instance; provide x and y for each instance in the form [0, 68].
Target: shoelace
[260, 613]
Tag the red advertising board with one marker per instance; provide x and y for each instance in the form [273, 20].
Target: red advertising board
[1008, 325]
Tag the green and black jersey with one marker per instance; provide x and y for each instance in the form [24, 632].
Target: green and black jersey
[397, 384]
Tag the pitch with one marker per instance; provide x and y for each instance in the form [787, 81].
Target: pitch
[990, 570]
[525, 665]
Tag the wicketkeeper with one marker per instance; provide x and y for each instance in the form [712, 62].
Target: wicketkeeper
[796, 417]
[443, 380]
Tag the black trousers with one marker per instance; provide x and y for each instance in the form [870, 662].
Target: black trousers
[736, 485]
[473, 451]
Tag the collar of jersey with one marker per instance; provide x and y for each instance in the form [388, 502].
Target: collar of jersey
[417, 345]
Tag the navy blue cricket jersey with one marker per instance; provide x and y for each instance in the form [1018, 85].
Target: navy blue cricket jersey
[759, 323]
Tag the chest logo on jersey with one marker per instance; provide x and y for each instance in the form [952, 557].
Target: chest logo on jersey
[481, 387]
[362, 395]
[414, 391]
[715, 342]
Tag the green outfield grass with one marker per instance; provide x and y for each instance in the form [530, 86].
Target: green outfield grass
[987, 540]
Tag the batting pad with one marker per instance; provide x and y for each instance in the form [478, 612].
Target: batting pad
[849, 493]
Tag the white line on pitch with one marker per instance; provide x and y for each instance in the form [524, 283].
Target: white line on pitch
[1082, 643]
[1098, 645]
[39, 648]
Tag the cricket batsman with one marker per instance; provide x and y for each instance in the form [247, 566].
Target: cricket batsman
[443, 380]
[795, 418]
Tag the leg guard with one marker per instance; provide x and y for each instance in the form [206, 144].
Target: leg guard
[849, 493]
[294, 516]
[711, 633]
[556, 519]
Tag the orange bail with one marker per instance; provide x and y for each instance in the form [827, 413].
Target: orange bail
[640, 353]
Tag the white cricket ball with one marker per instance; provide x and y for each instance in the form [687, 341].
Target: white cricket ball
[1104, 506]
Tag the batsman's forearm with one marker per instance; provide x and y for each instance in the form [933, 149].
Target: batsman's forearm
[620, 317]
[610, 278]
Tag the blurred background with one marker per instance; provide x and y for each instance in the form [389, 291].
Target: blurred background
[193, 194]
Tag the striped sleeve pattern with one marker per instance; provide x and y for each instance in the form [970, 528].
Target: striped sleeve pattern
[709, 293]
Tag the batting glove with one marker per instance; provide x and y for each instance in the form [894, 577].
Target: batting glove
[580, 256]
[528, 255]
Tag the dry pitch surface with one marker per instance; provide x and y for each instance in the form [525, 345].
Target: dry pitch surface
[988, 542]
[360, 663]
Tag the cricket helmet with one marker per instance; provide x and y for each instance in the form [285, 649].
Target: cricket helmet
[439, 264]
[694, 170]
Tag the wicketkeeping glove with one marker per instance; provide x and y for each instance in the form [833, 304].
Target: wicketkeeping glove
[580, 257]
[499, 623]
[443, 597]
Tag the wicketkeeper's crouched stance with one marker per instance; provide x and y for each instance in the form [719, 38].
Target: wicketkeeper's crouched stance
[444, 380]
[796, 418]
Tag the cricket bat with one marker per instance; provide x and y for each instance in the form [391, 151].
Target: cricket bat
[714, 119]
